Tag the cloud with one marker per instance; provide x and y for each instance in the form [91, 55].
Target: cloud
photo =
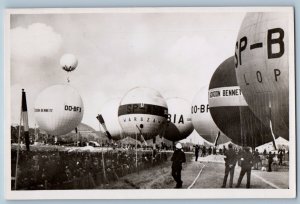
[35, 52]
[34, 58]
[36, 41]
[174, 54]
[187, 48]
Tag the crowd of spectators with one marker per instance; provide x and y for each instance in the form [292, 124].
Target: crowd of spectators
[78, 170]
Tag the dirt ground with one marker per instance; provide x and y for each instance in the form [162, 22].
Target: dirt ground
[200, 174]
[154, 178]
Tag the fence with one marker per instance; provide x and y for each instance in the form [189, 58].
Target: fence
[55, 169]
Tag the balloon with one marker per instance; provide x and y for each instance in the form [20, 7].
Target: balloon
[230, 111]
[143, 111]
[58, 109]
[68, 62]
[179, 123]
[262, 67]
[109, 113]
[202, 120]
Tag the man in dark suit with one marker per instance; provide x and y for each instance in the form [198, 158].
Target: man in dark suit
[246, 159]
[178, 158]
[230, 162]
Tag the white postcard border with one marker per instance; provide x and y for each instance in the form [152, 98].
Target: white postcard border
[150, 193]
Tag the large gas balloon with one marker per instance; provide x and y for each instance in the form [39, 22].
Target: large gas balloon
[143, 111]
[230, 111]
[179, 123]
[109, 113]
[68, 62]
[58, 109]
[262, 67]
[202, 120]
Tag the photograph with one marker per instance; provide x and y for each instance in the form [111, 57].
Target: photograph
[159, 103]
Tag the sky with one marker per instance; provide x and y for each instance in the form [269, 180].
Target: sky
[174, 53]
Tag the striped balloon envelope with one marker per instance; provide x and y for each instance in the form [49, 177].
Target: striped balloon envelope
[58, 109]
[179, 123]
[231, 112]
[143, 113]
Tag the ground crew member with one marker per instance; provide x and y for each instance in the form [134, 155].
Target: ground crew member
[197, 152]
[178, 158]
[270, 161]
[209, 150]
[230, 162]
[203, 151]
[256, 159]
[280, 156]
[246, 159]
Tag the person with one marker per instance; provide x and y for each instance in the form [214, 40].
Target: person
[230, 162]
[270, 161]
[209, 151]
[203, 151]
[256, 159]
[197, 152]
[214, 150]
[246, 159]
[265, 152]
[280, 156]
[239, 153]
[220, 151]
[177, 159]
[224, 149]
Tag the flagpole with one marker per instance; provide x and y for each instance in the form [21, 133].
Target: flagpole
[272, 133]
[35, 134]
[77, 137]
[136, 156]
[271, 126]
[18, 148]
[217, 138]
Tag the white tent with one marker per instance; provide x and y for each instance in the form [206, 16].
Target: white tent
[281, 143]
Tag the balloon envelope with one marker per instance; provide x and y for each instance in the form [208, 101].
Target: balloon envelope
[68, 62]
[58, 109]
[230, 111]
[262, 67]
[143, 111]
[179, 125]
[202, 120]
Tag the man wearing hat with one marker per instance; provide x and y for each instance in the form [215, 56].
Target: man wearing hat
[178, 158]
[230, 162]
[246, 165]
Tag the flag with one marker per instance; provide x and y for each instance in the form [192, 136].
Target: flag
[24, 116]
[101, 120]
